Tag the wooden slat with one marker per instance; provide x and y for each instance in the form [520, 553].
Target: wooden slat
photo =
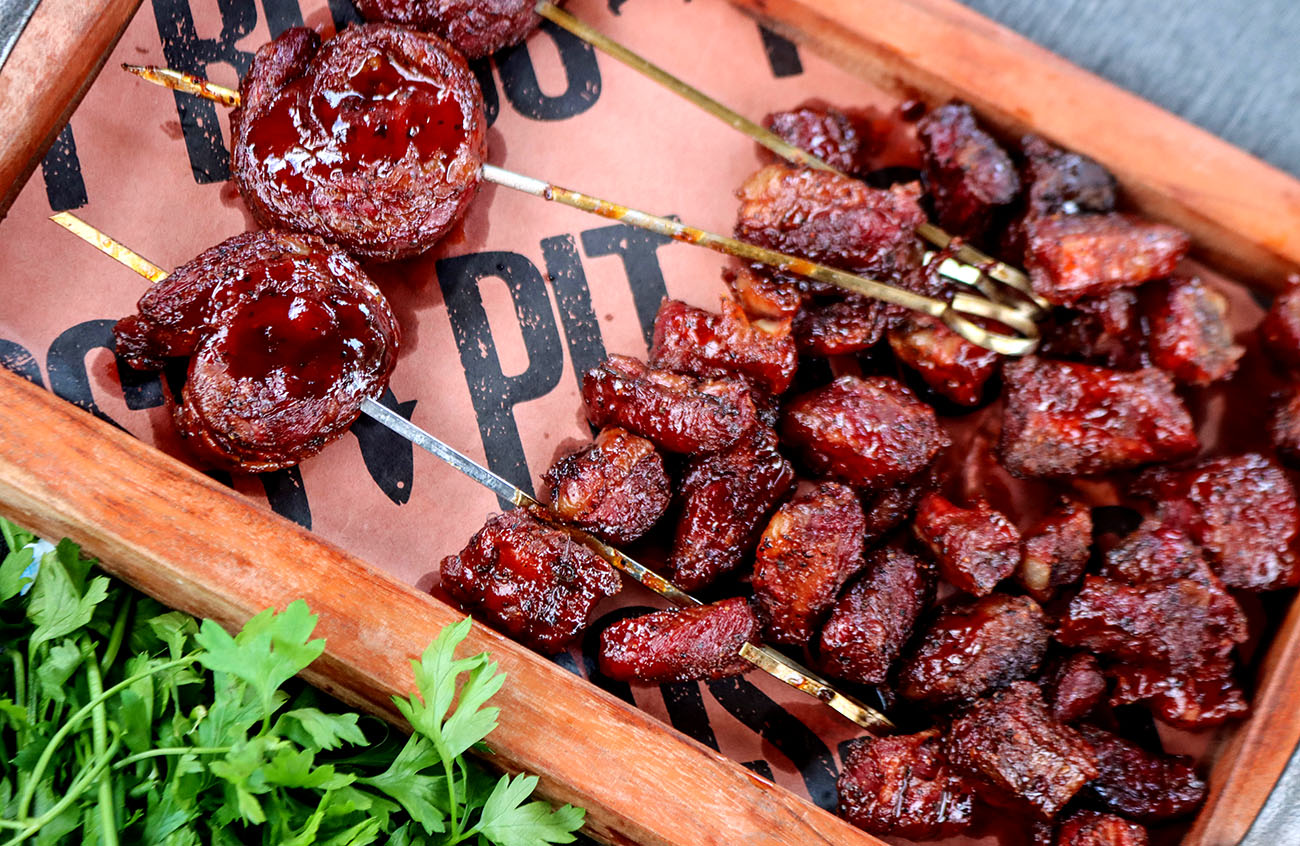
[180, 537]
[1243, 213]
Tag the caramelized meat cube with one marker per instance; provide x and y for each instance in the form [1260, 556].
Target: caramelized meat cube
[902, 787]
[1241, 510]
[888, 509]
[1281, 327]
[969, 175]
[1011, 743]
[871, 433]
[687, 644]
[1089, 828]
[529, 580]
[975, 646]
[975, 547]
[868, 627]
[1286, 426]
[764, 294]
[1055, 551]
[832, 219]
[952, 366]
[725, 499]
[1073, 687]
[1142, 785]
[1201, 698]
[848, 326]
[615, 488]
[1064, 419]
[1059, 182]
[701, 343]
[811, 547]
[678, 413]
[1187, 331]
[1105, 330]
[1156, 551]
[827, 133]
[1087, 255]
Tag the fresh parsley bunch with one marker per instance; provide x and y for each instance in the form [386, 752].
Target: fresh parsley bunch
[123, 722]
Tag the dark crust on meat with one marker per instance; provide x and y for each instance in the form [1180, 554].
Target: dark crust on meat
[975, 547]
[969, 175]
[902, 787]
[723, 344]
[1142, 785]
[1055, 551]
[615, 488]
[1090, 828]
[1188, 333]
[687, 644]
[1087, 255]
[868, 627]
[1073, 686]
[827, 133]
[476, 28]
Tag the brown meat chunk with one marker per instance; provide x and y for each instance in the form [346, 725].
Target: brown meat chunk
[1055, 551]
[952, 366]
[812, 546]
[1074, 686]
[529, 580]
[832, 219]
[868, 627]
[888, 509]
[848, 326]
[1060, 182]
[871, 433]
[1105, 331]
[1281, 327]
[1205, 697]
[1065, 419]
[969, 175]
[1089, 828]
[726, 497]
[975, 646]
[678, 413]
[702, 343]
[1285, 427]
[1188, 333]
[1011, 744]
[1156, 551]
[1142, 785]
[686, 644]
[763, 293]
[902, 787]
[1087, 255]
[476, 28]
[827, 133]
[615, 488]
[975, 547]
[1242, 510]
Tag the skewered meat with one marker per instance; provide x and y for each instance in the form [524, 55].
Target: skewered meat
[373, 140]
[826, 132]
[868, 627]
[1089, 828]
[1055, 551]
[764, 294]
[286, 336]
[952, 366]
[1073, 687]
[832, 219]
[687, 644]
[902, 787]
[1281, 327]
[702, 343]
[975, 547]
[1187, 331]
[476, 28]
[1027, 759]
[1154, 552]
[615, 488]
[973, 647]
[848, 326]
[871, 433]
[725, 499]
[1142, 785]
[1242, 510]
[678, 413]
[1065, 419]
[1285, 427]
[969, 175]
[528, 579]
[1088, 255]
[1060, 182]
[811, 547]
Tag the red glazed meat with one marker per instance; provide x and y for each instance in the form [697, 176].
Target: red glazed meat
[1088, 255]
[1281, 327]
[973, 647]
[373, 140]
[827, 133]
[726, 498]
[952, 366]
[1089, 828]
[902, 787]
[868, 627]
[1064, 419]
[969, 175]
[1142, 785]
[888, 509]
[476, 28]
[702, 343]
[1187, 331]
[1013, 746]
[811, 547]
[1285, 427]
[615, 488]
[764, 294]
[1105, 331]
[687, 644]
[1060, 182]
[1205, 697]
[678, 413]
[1241, 510]
[1055, 551]
[1073, 687]
[529, 580]
[871, 433]
[1154, 552]
[848, 326]
[286, 336]
[975, 547]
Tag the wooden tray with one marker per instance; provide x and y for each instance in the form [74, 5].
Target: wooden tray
[198, 546]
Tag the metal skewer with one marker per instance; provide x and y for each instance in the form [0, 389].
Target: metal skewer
[764, 657]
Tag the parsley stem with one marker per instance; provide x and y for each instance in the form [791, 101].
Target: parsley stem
[116, 636]
[171, 750]
[99, 738]
[75, 790]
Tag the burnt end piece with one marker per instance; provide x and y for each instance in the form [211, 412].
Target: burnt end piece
[615, 488]
[1061, 182]
[1205, 697]
[678, 413]
[827, 133]
[1105, 331]
[1142, 785]
[1089, 828]
[1065, 419]
[870, 433]
[763, 293]
[902, 787]
[811, 547]
[477, 29]
[1280, 329]
[848, 326]
[969, 175]
[1156, 551]
[952, 366]
[1010, 743]
[687, 644]
[1188, 333]
[1087, 255]
[975, 547]
[726, 344]
[871, 622]
[1055, 551]
[529, 580]
[973, 647]
[1073, 686]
